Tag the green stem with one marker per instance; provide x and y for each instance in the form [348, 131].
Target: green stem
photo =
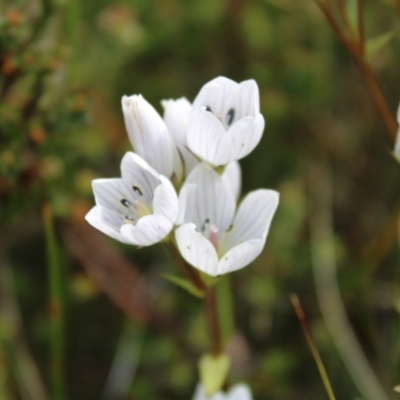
[56, 312]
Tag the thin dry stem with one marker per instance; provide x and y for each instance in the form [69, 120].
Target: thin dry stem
[357, 52]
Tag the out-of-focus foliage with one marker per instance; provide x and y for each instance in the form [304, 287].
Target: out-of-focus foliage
[64, 68]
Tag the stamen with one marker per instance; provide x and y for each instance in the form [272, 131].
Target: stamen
[125, 202]
[137, 190]
[230, 228]
[128, 219]
[208, 108]
[229, 116]
[205, 225]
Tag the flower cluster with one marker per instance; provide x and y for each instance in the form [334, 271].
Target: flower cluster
[184, 177]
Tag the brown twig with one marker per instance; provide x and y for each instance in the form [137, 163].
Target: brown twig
[213, 320]
[311, 343]
[360, 22]
[343, 12]
[355, 48]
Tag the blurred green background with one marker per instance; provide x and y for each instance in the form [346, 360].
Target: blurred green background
[64, 67]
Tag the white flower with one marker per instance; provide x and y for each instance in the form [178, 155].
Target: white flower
[211, 237]
[176, 116]
[397, 143]
[139, 208]
[237, 392]
[150, 137]
[225, 123]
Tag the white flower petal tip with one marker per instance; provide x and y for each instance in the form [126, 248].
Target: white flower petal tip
[225, 124]
[396, 151]
[237, 392]
[211, 237]
[176, 118]
[150, 137]
[140, 208]
[398, 114]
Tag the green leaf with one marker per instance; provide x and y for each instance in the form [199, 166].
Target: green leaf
[184, 284]
[377, 43]
[213, 372]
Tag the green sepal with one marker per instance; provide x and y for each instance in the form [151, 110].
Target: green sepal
[208, 279]
[213, 372]
[184, 284]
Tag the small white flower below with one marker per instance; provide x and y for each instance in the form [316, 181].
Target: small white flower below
[140, 208]
[237, 392]
[210, 236]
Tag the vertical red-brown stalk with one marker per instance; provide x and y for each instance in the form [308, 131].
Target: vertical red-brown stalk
[355, 48]
[213, 321]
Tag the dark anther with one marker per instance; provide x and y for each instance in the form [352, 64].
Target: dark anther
[125, 202]
[137, 190]
[230, 228]
[129, 218]
[208, 108]
[229, 116]
[206, 222]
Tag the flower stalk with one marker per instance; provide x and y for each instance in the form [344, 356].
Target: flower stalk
[356, 48]
[213, 320]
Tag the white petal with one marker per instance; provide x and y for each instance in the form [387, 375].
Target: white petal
[248, 99]
[104, 221]
[176, 116]
[140, 174]
[239, 392]
[109, 193]
[397, 146]
[196, 249]
[218, 95]
[149, 136]
[240, 256]
[232, 176]
[200, 394]
[187, 190]
[228, 100]
[149, 230]
[397, 143]
[244, 135]
[207, 138]
[253, 218]
[398, 115]
[165, 200]
[210, 199]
